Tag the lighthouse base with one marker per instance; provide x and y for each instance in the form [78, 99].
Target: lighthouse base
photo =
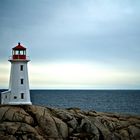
[6, 99]
[20, 103]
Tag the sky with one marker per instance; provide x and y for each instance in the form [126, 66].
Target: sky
[73, 44]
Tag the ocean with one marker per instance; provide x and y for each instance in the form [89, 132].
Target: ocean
[121, 101]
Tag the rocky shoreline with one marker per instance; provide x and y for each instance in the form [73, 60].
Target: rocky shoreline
[30, 122]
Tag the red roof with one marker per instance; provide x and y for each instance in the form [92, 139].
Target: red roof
[19, 47]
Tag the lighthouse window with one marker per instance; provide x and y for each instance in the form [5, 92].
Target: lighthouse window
[22, 95]
[21, 81]
[15, 97]
[21, 67]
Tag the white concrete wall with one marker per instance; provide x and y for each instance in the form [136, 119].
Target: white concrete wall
[15, 86]
[5, 97]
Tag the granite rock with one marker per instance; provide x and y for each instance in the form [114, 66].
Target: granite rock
[30, 122]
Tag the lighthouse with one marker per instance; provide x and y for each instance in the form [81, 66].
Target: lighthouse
[18, 93]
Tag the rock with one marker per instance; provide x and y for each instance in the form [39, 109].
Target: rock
[134, 132]
[15, 114]
[104, 132]
[72, 123]
[18, 129]
[30, 122]
[124, 134]
[61, 127]
[8, 137]
[46, 122]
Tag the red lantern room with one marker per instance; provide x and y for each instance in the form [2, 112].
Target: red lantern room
[19, 52]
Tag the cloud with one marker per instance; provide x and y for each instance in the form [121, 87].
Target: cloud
[64, 75]
[66, 31]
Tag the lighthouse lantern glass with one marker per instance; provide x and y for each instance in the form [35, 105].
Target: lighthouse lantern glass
[19, 54]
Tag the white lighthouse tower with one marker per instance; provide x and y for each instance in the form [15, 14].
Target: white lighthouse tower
[18, 92]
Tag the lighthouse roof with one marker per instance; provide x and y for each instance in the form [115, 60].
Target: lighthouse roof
[19, 47]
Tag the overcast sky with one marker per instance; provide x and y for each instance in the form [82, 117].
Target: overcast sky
[73, 43]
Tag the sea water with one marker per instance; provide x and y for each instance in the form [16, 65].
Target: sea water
[121, 101]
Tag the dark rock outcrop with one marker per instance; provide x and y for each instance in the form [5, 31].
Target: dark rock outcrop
[31, 122]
